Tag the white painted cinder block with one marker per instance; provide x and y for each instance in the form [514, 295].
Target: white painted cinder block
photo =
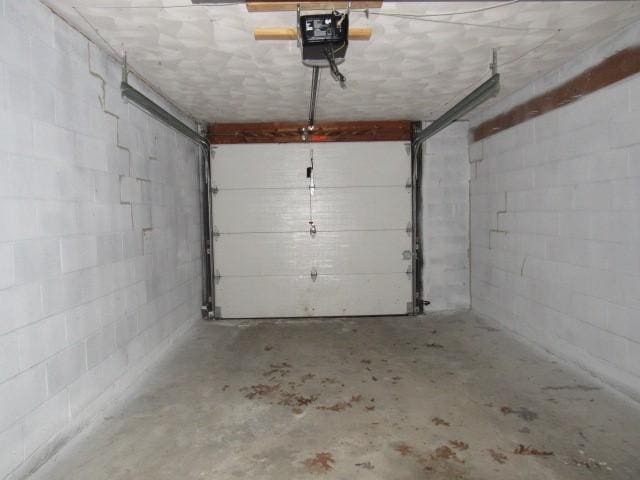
[78, 252]
[41, 340]
[21, 394]
[563, 262]
[445, 218]
[7, 266]
[65, 367]
[9, 352]
[73, 277]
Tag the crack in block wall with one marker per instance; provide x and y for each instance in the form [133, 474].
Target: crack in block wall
[84, 177]
[555, 222]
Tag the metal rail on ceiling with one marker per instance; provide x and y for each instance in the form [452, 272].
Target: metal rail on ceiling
[484, 92]
[151, 107]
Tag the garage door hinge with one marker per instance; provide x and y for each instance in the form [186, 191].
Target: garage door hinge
[214, 190]
[217, 276]
[409, 271]
[408, 185]
[215, 233]
[409, 228]
[410, 307]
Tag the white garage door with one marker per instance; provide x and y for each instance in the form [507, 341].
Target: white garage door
[268, 263]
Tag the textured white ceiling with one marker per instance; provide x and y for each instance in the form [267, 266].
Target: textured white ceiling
[204, 58]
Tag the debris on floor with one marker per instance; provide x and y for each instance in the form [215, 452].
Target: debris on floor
[341, 405]
[261, 390]
[589, 463]
[438, 421]
[365, 465]
[281, 370]
[292, 399]
[498, 456]
[528, 450]
[523, 412]
[444, 452]
[403, 449]
[459, 444]
[322, 462]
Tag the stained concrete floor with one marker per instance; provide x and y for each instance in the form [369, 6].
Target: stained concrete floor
[443, 396]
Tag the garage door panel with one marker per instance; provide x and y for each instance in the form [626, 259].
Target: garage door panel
[359, 252]
[361, 164]
[276, 210]
[328, 296]
[371, 208]
[263, 254]
[338, 295]
[261, 166]
[261, 297]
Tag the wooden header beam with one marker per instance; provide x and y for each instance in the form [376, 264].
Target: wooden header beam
[617, 67]
[290, 33]
[291, 132]
[276, 6]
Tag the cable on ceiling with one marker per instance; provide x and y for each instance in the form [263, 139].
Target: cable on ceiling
[159, 7]
[465, 24]
[465, 12]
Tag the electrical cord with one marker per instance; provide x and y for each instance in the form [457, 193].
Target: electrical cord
[160, 7]
[465, 12]
[335, 72]
[465, 24]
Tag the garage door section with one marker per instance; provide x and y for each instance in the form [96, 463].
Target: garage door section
[311, 230]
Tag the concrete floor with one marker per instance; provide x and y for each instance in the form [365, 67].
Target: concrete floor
[437, 397]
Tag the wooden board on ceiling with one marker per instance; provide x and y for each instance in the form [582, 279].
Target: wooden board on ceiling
[291, 132]
[275, 6]
[615, 68]
[290, 33]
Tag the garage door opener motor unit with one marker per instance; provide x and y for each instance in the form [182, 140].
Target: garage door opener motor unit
[324, 40]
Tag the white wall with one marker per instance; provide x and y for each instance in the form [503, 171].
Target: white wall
[445, 218]
[99, 234]
[555, 222]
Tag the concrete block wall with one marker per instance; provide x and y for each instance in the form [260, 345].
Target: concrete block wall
[445, 218]
[99, 234]
[555, 222]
